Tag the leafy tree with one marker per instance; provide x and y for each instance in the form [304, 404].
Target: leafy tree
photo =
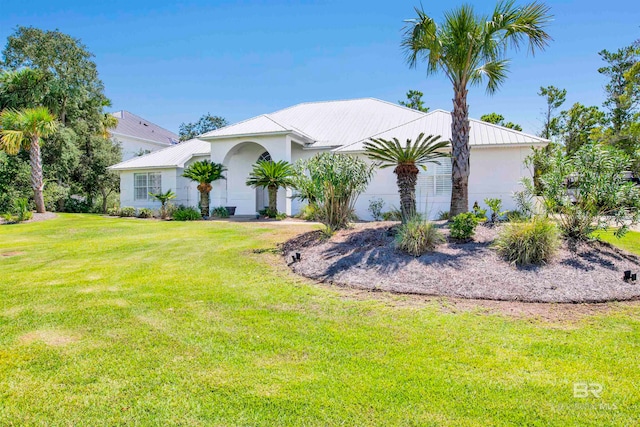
[498, 119]
[555, 98]
[406, 160]
[272, 176]
[204, 173]
[333, 181]
[205, 124]
[623, 93]
[24, 129]
[576, 125]
[414, 101]
[470, 49]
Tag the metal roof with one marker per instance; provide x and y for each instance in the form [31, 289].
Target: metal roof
[438, 122]
[174, 156]
[135, 126]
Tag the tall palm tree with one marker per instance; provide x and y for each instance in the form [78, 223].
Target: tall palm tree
[272, 176]
[406, 161]
[204, 173]
[23, 129]
[469, 49]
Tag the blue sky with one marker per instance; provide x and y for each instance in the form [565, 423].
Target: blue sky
[171, 62]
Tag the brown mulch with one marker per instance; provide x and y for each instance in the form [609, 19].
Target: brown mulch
[37, 217]
[365, 258]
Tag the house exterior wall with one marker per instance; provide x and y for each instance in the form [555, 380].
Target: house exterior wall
[127, 196]
[131, 147]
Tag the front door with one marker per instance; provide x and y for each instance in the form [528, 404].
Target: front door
[262, 198]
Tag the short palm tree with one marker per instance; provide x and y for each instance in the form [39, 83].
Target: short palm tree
[23, 129]
[164, 198]
[469, 49]
[204, 173]
[272, 176]
[406, 160]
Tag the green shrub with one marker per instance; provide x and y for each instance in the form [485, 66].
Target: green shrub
[394, 214]
[77, 204]
[443, 215]
[496, 209]
[375, 208]
[531, 242]
[281, 215]
[186, 213]
[145, 213]
[418, 237]
[517, 216]
[114, 211]
[309, 212]
[463, 226]
[479, 213]
[54, 193]
[20, 211]
[268, 213]
[220, 212]
[128, 211]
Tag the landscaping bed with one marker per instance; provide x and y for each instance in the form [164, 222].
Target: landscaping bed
[364, 257]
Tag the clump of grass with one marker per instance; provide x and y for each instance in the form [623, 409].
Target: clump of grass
[418, 237]
[530, 242]
[186, 213]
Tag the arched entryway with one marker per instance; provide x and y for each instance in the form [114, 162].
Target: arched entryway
[262, 194]
[239, 162]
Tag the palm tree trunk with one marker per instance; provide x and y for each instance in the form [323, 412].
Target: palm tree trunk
[273, 198]
[204, 203]
[407, 177]
[37, 181]
[460, 152]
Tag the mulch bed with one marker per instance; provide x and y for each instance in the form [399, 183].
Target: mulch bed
[36, 217]
[364, 257]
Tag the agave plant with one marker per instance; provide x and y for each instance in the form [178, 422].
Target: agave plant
[204, 173]
[406, 159]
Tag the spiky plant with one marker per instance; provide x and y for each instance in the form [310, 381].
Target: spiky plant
[406, 159]
[164, 198]
[23, 129]
[470, 48]
[272, 176]
[204, 173]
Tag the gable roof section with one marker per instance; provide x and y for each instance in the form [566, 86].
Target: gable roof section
[136, 127]
[438, 122]
[325, 124]
[174, 156]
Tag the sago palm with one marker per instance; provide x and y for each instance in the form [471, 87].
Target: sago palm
[406, 160]
[23, 129]
[204, 173]
[470, 49]
[272, 176]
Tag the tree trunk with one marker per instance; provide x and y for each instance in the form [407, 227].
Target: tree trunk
[460, 153]
[204, 203]
[273, 198]
[37, 182]
[407, 177]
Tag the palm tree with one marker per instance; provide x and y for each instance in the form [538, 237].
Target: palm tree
[271, 175]
[406, 161]
[204, 173]
[23, 129]
[164, 198]
[469, 49]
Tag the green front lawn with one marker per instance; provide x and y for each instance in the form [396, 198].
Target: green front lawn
[629, 242]
[107, 321]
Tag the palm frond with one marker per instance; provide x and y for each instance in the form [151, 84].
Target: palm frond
[267, 173]
[390, 153]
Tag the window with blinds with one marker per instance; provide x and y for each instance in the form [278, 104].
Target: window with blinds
[145, 183]
[436, 181]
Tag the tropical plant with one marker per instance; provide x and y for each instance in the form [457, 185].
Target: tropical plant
[375, 208]
[164, 198]
[23, 129]
[495, 205]
[21, 211]
[528, 242]
[463, 226]
[186, 213]
[220, 212]
[204, 173]
[333, 182]
[393, 214]
[417, 237]
[470, 48]
[479, 213]
[272, 176]
[145, 213]
[589, 191]
[128, 211]
[406, 160]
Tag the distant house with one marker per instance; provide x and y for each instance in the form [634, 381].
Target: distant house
[139, 136]
[301, 131]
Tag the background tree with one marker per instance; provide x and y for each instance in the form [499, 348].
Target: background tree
[554, 98]
[24, 129]
[414, 101]
[204, 173]
[272, 176]
[498, 119]
[577, 124]
[206, 123]
[623, 94]
[470, 49]
[406, 160]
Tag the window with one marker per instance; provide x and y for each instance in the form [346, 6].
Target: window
[265, 157]
[145, 183]
[436, 181]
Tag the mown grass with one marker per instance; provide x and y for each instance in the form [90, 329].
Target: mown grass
[629, 242]
[107, 321]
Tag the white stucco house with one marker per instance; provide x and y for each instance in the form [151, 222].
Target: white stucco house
[301, 131]
[139, 136]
